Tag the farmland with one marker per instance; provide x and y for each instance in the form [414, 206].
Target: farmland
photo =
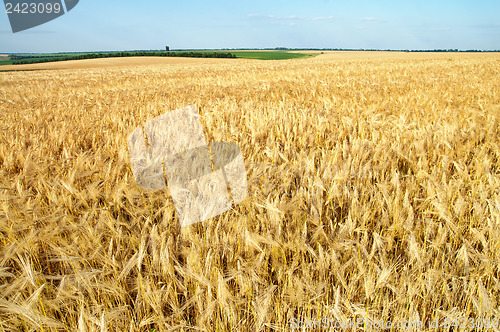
[374, 193]
[21, 59]
[271, 55]
[5, 59]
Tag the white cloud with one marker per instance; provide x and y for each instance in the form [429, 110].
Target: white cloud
[325, 18]
[371, 19]
[274, 17]
[290, 18]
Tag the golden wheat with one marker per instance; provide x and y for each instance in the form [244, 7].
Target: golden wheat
[374, 193]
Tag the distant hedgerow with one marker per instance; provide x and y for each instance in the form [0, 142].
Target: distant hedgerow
[23, 60]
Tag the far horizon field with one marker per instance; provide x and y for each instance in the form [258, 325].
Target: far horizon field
[259, 54]
[320, 55]
[31, 58]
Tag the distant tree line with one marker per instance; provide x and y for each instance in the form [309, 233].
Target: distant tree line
[449, 50]
[22, 57]
[358, 49]
[29, 59]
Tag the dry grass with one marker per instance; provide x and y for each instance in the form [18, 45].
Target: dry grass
[373, 192]
[112, 62]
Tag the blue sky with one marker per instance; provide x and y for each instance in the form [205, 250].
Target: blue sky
[151, 24]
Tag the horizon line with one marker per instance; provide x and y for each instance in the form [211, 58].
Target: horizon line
[435, 50]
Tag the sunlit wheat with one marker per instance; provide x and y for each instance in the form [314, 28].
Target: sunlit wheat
[374, 192]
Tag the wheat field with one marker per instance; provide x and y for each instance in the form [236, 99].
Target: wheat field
[374, 194]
